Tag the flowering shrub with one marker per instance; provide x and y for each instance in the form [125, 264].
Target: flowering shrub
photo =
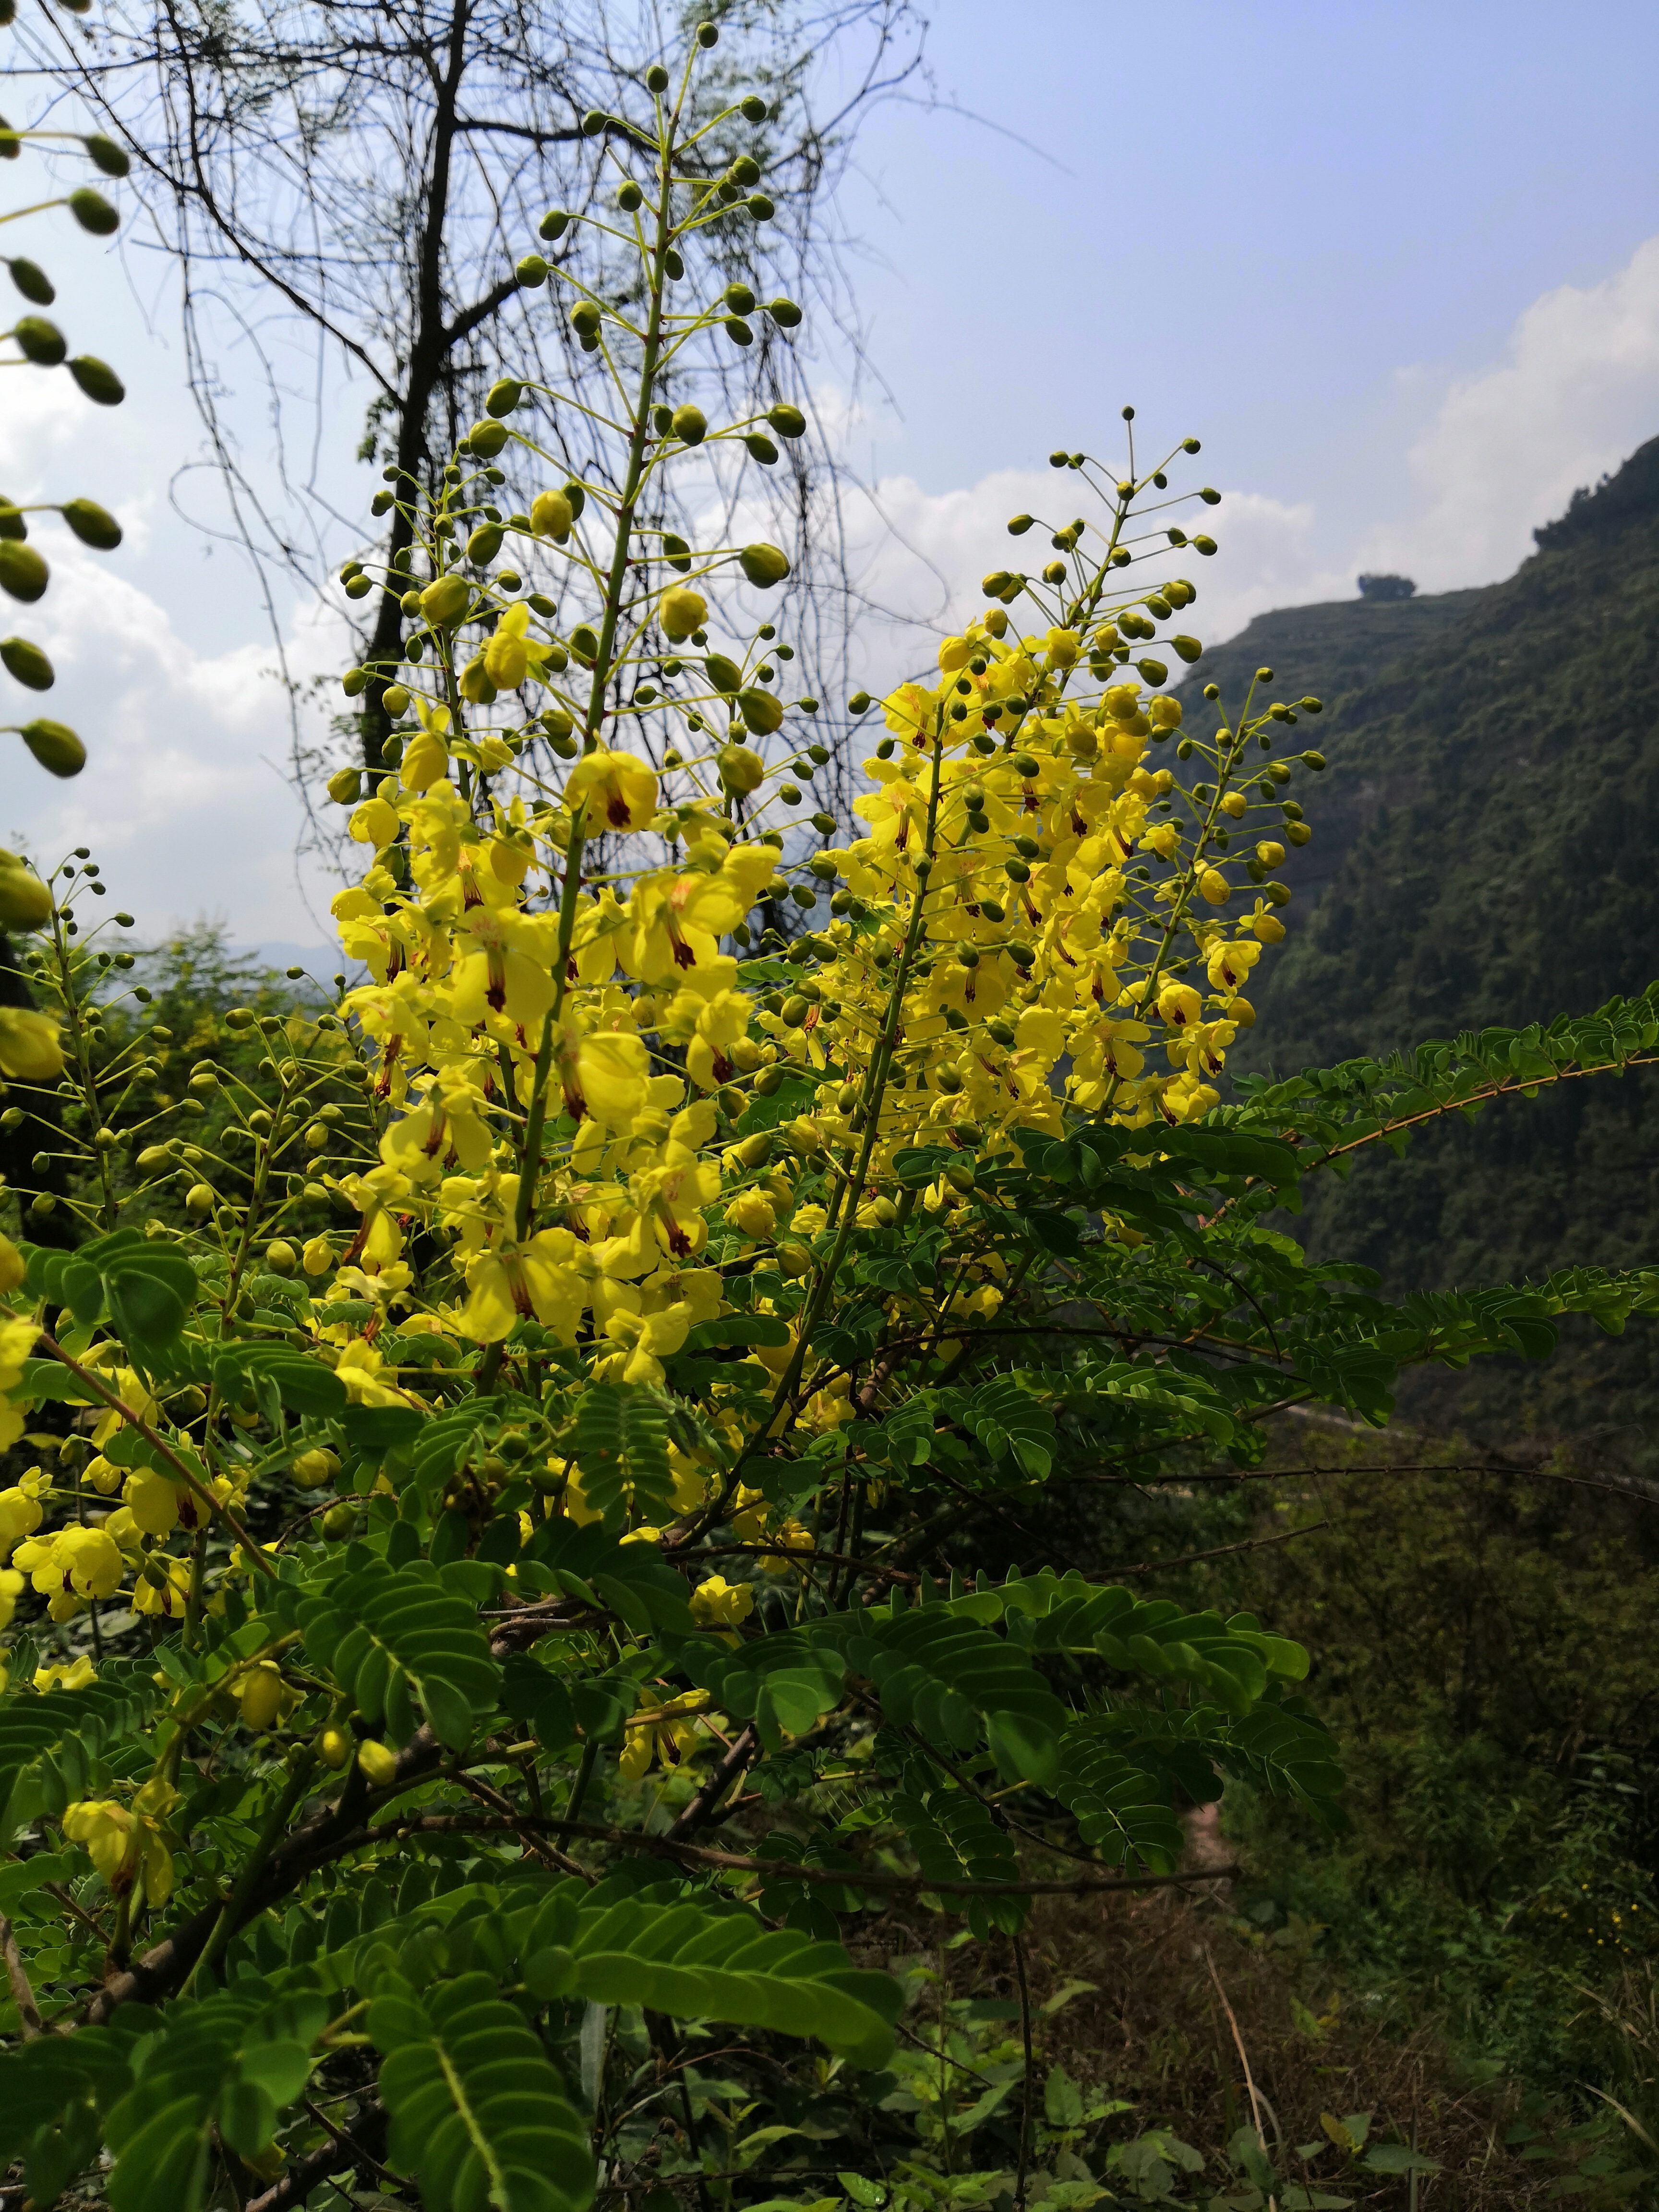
[544, 1439]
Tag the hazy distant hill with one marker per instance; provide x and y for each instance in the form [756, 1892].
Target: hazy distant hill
[1486, 850]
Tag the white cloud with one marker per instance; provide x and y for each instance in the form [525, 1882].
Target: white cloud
[184, 799]
[1576, 393]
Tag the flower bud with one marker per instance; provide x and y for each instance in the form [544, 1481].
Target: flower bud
[708, 34]
[995, 584]
[446, 600]
[56, 748]
[379, 1762]
[484, 544]
[1187, 648]
[33, 282]
[763, 711]
[755, 1152]
[764, 564]
[741, 770]
[485, 440]
[503, 396]
[345, 786]
[97, 381]
[93, 212]
[585, 644]
[334, 1747]
[554, 224]
[39, 341]
[1314, 761]
[1019, 524]
[27, 663]
[340, 1521]
[92, 524]
[784, 312]
[690, 425]
[25, 900]
[761, 449]
[681, 611]
[1204, 545]
[725, 675]
[789, 421]
[201, 1199]
[532, 271]
[23, 573]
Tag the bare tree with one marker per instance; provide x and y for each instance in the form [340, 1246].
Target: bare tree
[371, 174]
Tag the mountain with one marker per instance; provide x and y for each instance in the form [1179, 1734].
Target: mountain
[1486, 851]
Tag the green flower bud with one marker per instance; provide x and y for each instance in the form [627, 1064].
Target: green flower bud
[1020, 524]
[97, 381]
[39, 341]
[345, 786]
[629, 198]
[824, 824]
[1188, 648]
[594, 122]
[789, 421]
[107, 155]
[676, 552]
[785, 313]
[1204, 545]
[27, 663]
[25, 900]
[656, 78]
[737, 331]
[1023, 764]
[690, 425]
[530, 270]
[760, 207]
[554, 224]
[585, 644]
[739, 299]
[503, 396]
[22, 571]
[708, 34]
[485, 440]
[741, 770]
[761, 448]
[484, 544]
[33, 282]
[1153, 671]
[1314, 761]
[1017, 871]
[725, 675]
[354, 682]
[56, 748]
[92, 524]
[93, 212]
[763, 711]
[859, 703]
[1209, 496]
[764, 564]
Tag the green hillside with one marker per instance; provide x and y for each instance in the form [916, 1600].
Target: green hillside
[1486, 850]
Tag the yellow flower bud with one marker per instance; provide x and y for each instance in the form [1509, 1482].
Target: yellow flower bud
[681, 611]
[379, 1762]
[551, 515]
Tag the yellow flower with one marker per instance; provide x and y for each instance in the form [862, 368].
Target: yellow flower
[73, 1677]
[12, 1268]
[508, 1282]
[793, 1538]
[28, 1045]
[717, 1603]
[317, 1257]
[507, 656]
[1213, 886]
[121, 1839]
[20, 1514]
[619, 792]
[167, 1598]
[153, 1502]
[72, 1566]
[11, 1589]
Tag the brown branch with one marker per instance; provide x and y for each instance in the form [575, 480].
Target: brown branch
[29, 2012]
[1221, 1551]
[787, 1870]
[738, 1756]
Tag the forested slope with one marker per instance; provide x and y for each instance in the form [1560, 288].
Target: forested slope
[1486, 851]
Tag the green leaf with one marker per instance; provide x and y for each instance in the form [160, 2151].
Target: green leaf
[479, 2115]
[621, 1445]
[398, 1642]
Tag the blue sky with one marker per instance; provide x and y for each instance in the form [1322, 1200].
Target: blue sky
[1397, 266]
